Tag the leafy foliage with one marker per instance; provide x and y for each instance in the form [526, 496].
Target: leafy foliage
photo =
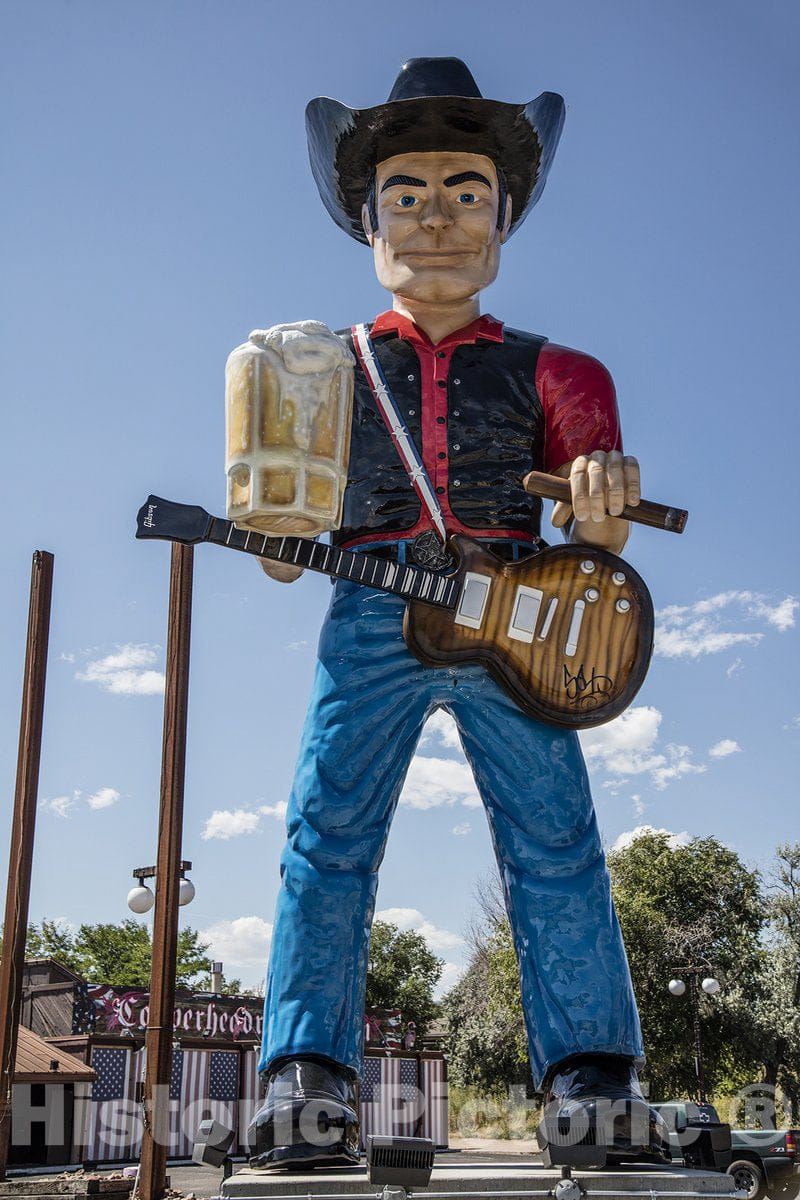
[403, 973]
[690, 906]
[486, 1030]
[696, 905]
[116, 954]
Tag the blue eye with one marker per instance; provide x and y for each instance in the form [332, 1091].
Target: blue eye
[467, 198]
[407, 201]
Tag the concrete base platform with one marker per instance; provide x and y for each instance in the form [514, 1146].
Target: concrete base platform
[482, 1179]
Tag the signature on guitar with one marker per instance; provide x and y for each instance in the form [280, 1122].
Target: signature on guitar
[584, 690]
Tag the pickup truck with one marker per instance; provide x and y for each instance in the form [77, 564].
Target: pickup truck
[762, 1161]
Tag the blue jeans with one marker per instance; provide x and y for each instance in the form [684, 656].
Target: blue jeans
[369, 702]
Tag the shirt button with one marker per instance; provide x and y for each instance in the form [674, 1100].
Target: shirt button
[410, 378]
[441, 354]
[456, 382]
[456, 413]
[441, 382]
[440, 490]
[440, 420]
[441, 454]
[412, 412]
[456, 483]
[456, 446]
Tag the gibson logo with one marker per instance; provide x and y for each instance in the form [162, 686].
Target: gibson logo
[148, 522]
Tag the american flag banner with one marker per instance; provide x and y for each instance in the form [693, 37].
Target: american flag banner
[437, 1112]
[138, 1065]
[391, 1102]
[252, 1093]
[380, 1086]
[110, 1123]
[193, 1100]
[223, 1087]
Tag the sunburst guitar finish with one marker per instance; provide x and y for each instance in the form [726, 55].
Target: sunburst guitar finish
[567, 633]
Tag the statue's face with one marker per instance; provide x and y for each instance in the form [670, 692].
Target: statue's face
[437, 239]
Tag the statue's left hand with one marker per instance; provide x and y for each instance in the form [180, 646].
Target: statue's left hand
[601, 483]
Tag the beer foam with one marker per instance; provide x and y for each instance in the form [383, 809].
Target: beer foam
[304, 347]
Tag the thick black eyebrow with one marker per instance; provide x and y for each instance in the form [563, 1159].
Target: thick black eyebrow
[406, 180]
[466, 177]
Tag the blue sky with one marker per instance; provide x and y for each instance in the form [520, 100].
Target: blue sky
[157, 206]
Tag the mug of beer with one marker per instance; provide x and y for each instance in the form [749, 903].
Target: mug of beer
[288, 407]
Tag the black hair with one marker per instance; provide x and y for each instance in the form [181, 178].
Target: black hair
[502, 193]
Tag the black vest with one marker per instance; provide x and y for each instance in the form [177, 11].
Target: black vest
[495, 435]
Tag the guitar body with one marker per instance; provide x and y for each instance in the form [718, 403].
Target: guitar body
[567, 633]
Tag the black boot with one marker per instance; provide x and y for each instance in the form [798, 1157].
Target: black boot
[308, 1118]
[595, 1113]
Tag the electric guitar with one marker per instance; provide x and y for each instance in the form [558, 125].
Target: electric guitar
[567, 632]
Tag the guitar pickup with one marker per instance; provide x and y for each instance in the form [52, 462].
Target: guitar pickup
[472, 601]
[525, 614]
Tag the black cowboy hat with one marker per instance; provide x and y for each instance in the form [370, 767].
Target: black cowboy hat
[435, 104]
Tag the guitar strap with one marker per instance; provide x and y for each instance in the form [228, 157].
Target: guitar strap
[398, 430]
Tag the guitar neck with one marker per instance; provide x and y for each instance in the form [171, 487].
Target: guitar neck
[410, 582]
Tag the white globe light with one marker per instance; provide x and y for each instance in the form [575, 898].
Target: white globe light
[186, 891]
[710, 986]
[140, 899]
[677, 987]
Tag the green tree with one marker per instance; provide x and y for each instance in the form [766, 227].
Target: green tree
[486, 1030]
[694, 905]
[116, 954]
[403, 973]
[773, 1024]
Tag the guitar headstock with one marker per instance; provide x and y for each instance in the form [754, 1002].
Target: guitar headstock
[187, 523]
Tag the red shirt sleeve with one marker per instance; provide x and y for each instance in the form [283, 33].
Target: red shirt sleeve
[580, 405]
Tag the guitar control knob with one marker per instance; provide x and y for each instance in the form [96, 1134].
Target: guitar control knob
[618, 578]
[623, 606]
[587, 566]
[592, 595]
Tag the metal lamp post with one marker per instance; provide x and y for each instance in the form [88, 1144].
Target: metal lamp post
[709, 985]
[141, 898]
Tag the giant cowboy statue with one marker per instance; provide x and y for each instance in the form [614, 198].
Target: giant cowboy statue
[451, 410]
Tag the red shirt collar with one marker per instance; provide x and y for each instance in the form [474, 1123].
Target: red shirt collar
[394, 322]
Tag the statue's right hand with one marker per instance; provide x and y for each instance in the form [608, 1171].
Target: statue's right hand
[282, 572]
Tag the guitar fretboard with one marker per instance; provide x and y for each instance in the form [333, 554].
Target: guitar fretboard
[410, 582]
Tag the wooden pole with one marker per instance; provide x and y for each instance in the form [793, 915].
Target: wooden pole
[158, 1038]
[20, 857]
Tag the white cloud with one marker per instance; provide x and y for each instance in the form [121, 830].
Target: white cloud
[724, 748]
[677, 762]
[412, 918]
[462, 830]
[241, 943]
[692, 630]
[226, 823]
[60, 806]
[66, 657]
[675, 839]
[302, 644]
[104, 797]
[627, 746]
[128, 672]
[734, 668]
[451, 974]
[278, 811]
[638, 805]
[440, 727]
[433, 782]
